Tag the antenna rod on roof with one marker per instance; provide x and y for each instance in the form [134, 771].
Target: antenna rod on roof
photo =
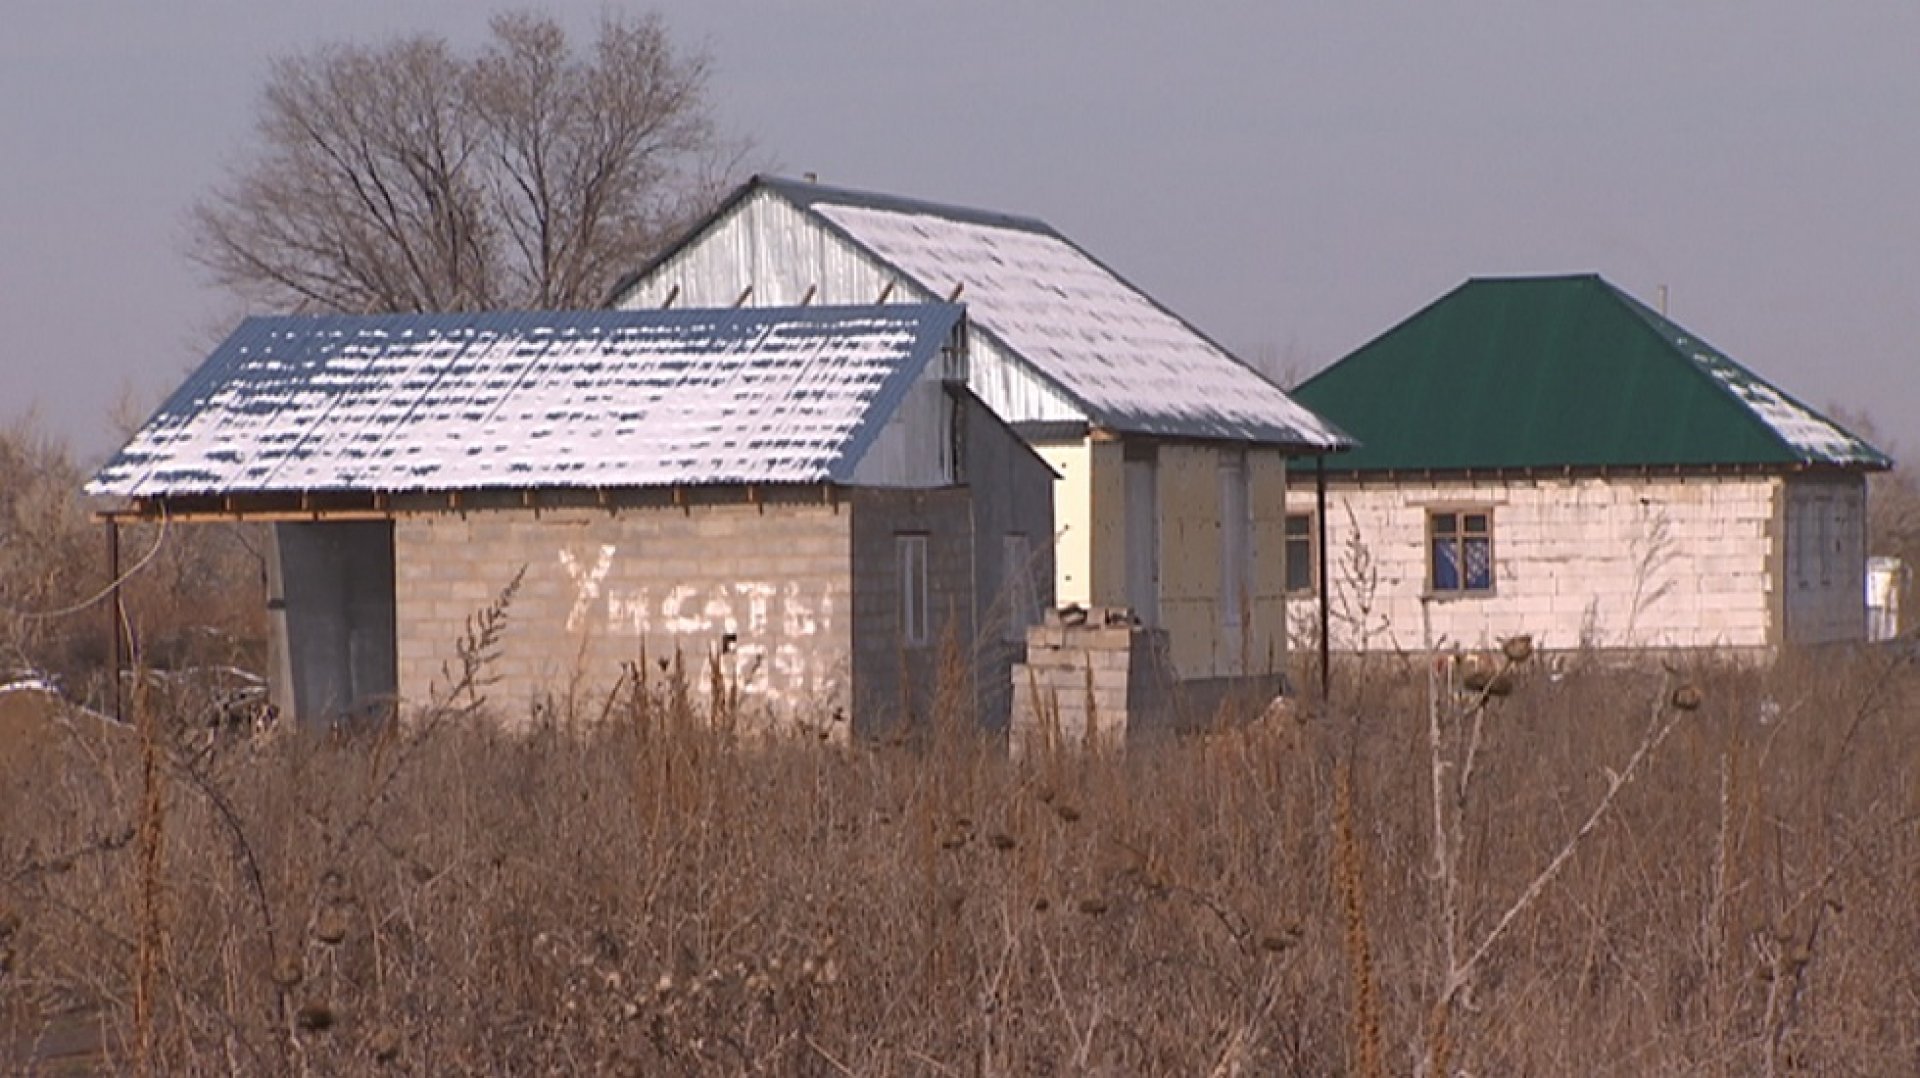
[885, 291]
[810, 177]
[744, 293]
[808, 298]
[1663, 301]
[958, 287]
[672, 294]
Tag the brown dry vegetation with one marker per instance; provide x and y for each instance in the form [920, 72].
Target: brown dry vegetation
[646, 895]
[195, 601]
[636, 890]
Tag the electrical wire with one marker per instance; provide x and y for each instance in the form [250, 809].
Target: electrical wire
[103, 593]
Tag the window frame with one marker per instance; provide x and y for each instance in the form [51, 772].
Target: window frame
[910, 566]
[1311, 540]
[1461, 534]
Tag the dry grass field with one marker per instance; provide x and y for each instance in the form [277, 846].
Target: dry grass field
[646, 894]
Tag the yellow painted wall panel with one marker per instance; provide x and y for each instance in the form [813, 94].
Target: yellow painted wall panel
[1189, 523]
[1267, 478]
[1072, 521]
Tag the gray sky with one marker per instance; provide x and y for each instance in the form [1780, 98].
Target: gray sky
[1292, 177]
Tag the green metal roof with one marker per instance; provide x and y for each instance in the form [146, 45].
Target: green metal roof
[1562, 372]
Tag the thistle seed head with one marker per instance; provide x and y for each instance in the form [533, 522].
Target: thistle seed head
[1518, 649]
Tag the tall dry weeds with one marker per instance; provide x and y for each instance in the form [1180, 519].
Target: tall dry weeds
[651, 894]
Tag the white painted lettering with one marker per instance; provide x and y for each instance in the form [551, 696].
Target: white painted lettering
[586, 583]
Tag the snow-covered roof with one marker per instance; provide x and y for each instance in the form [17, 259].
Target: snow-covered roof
[595, 399]
[1128, 363]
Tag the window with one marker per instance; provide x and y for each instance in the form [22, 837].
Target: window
[1460, 542]
[911, 553]
[1236, 538]
[1023, 609]
[1302, 577]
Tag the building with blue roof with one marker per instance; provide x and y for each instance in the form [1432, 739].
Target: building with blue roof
[805, 499]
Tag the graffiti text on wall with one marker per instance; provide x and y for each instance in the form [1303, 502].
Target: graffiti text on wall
[769, 623]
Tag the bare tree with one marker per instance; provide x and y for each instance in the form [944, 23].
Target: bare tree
[407, 177]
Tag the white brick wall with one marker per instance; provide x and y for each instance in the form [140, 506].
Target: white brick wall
[1618, 562]
[600, 585]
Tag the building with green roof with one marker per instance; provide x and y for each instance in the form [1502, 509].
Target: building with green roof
[1551, 456]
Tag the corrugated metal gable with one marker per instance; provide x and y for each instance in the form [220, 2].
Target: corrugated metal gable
[773, 253]
[1064, 338]
[570, 399]
[767, 247]
[1555, 372]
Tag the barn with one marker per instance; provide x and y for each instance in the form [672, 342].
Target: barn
[1172, 453]
[1550, 456]
[806, 500]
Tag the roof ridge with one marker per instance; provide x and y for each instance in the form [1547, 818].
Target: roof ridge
[1544, 278]
[808, 191]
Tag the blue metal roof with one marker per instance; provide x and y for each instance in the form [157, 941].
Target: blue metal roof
[417, 402]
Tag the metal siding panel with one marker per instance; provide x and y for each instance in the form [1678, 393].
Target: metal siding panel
[1006, 385]
[781, 251]
[915, 448]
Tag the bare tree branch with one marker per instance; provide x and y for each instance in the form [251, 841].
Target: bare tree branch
[406, 177]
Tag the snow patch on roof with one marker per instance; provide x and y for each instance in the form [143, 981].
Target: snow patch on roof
[1133, 366]
[1814, 438]
[1807, 434]
[585, 400]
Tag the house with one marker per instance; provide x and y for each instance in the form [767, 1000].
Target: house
[1172, 454]
[806, 498]
[1550, 456]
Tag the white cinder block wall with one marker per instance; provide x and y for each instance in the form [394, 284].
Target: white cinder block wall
[1612, 563]
[599, 585]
